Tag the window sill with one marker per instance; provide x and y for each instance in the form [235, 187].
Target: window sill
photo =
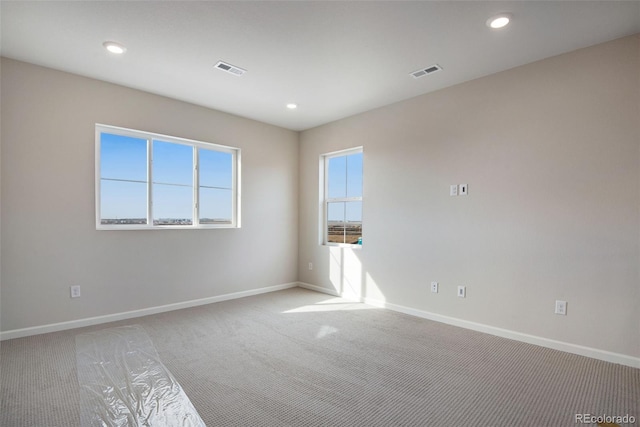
[342, 245]
[164, 227]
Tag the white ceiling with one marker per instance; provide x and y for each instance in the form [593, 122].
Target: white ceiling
[334, 59]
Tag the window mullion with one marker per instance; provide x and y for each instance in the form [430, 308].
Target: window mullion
[234, 192]
[344, 222]
[346, 176]
[149, 182]
[326, 196]
[346, 194]
[196, 188]
[345, 199]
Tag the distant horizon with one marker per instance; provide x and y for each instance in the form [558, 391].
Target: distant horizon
[127, 221]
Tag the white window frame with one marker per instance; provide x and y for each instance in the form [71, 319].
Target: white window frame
[324, 193]
[150, 137]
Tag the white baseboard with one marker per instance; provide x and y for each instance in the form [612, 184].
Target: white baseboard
[319, 289]
[54, 327]
[594, 353]
[505, 333]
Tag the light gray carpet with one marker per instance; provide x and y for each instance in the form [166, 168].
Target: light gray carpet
[300, 358]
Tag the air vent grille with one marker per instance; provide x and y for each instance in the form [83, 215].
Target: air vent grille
[424, 71]
[231, 69]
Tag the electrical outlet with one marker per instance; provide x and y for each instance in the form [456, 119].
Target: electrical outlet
[434, 287]
[561, 307]
[463, 189]
[462, 291]
[453, 190]
[75, 291]
[310, 266]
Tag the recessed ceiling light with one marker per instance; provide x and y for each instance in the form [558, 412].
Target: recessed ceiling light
[292, 106]
[114, 47]
[499, 21]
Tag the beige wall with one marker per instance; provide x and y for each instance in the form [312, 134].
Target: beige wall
[550, 152]
[49, 241]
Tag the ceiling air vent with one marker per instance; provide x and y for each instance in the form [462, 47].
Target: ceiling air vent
[424, 71]
[232, 69]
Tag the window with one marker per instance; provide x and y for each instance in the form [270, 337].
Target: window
[342, 200]
[150, 181]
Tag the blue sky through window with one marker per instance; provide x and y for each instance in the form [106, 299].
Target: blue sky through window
[345, 180]
[341, 211]
[172, 163]
[216, 168]
[216, 183]
[123, 177]
[172, 182]
[123, 181]
[123, 157]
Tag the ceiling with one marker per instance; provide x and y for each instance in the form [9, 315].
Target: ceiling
[334, 59]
